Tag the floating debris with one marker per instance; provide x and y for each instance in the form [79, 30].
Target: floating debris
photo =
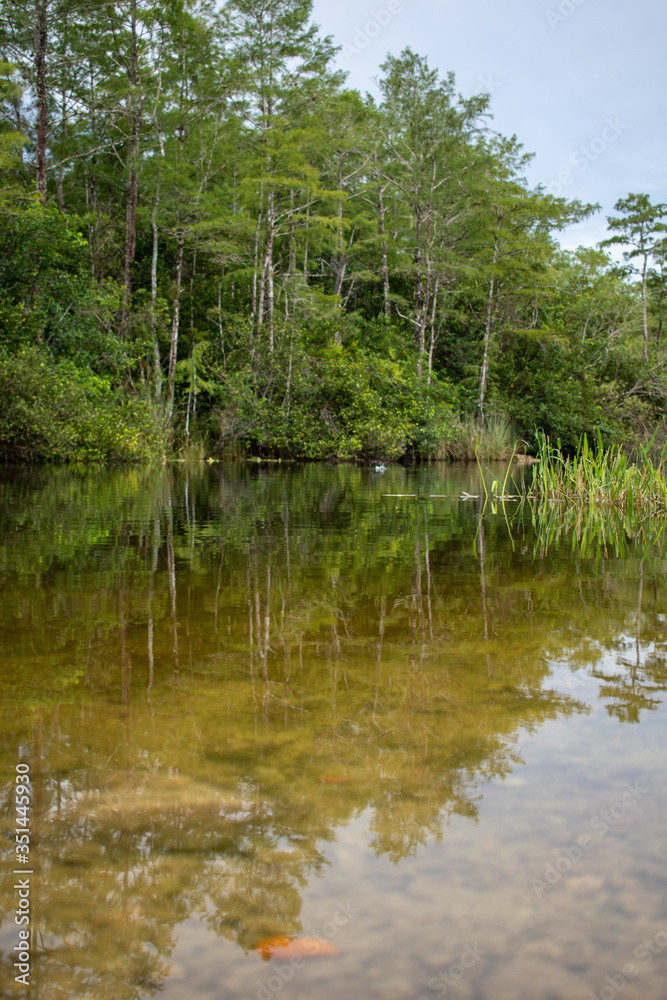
[469, 496]
[284, 947]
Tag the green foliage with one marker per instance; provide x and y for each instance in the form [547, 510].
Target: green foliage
[46, 294]
[541, 384]
[290, 268]
[603, 477]
[55, 411]
[336, 402]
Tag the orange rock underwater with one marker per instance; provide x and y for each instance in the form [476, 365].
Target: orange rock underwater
[284, 947]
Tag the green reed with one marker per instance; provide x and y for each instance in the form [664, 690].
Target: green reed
[600, 477]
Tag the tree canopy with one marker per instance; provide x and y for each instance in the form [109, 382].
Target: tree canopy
[253, 258]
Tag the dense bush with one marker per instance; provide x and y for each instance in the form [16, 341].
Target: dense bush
[46, 292]
[55, 411]
[339, 402]
[543, 383]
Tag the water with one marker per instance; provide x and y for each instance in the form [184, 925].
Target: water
[275, 702]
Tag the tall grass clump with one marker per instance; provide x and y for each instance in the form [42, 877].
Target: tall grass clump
[600, 476]
[466, 440]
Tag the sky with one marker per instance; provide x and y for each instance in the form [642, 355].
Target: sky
[579, 82]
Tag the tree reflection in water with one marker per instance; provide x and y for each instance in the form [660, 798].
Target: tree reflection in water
[211, 672]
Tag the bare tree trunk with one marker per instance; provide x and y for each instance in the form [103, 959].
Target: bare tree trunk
[291, 269]
[261, 296]
[175, 325]
[130, 242]
[254, 313]
[425, 297]
[644, 308]
[432, 340]
[261, 293]
[342, 257]
[157, 361]
[422, 294]
[153, 320]
[187, 412]
[288, 389]
[488, 326]
[41, 44]
[134, 108]
[661, 297]
[385, 259]
[221, 329]
[382, 229]
[305, 249]
[418, 292]
[484, 374]
[340, 274]
[266, 291]
[92, 204]
[269, 267]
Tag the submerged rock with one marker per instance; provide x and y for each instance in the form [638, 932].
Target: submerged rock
[284, 947]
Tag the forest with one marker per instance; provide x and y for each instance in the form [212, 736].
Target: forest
[210, 247]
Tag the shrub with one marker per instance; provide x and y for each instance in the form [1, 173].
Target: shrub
[341, 402]
[54, 411]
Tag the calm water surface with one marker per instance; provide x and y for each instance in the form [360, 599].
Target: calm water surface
[274, 702]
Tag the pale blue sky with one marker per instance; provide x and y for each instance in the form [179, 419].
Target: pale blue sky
[580, 82]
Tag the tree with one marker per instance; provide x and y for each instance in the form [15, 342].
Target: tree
[430, 145]
[33, 36]
[287, 75]
[293, 266]
[656, 284]
[513, 237]
[639, 227]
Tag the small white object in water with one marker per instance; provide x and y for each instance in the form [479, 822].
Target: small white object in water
[380, 468]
